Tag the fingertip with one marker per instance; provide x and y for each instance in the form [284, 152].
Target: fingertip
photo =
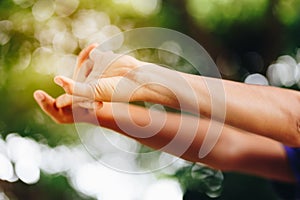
[65, 83]
[45, 101]
[84, 54]
[93, 45]
[42, 96]
[39, 96]
[59, 80]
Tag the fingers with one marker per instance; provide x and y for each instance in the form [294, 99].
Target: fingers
[46, 102]
[65, 100]
[65, 114]
[84, 71]
[75, 88]
[83, 55]
[102, 61]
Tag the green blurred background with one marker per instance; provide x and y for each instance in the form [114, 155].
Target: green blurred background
[253, 41]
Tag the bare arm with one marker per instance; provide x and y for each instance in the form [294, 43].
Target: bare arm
[264, 110]
[235, 150]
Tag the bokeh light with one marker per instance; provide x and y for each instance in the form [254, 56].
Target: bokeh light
[65, 8]
[23, 56]
[88, 22]
[43, 9]
[5, 28]
[64, 42]
[284, 72]
[43, 60]
[169, 53]
[24, 3]
[101, 182]
[158, 190]
[28, 172]
[25, 159]
[257, 79]
[6, 169]
[65, 65]
[146, 7]
[228, 64]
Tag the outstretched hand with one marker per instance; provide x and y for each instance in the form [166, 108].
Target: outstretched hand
[62, 109]
[104, 76]
[62, 115]
[98, 77]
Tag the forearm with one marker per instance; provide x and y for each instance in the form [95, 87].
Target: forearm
[235, 150]
[154, 128]
[265, 110]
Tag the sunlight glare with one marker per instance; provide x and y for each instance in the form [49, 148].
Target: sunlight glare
[146, 7]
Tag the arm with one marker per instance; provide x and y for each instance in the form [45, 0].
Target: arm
[264, 110]
[235, 150]
[267, 111]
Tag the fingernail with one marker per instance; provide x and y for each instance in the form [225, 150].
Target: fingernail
[58, 81]
[39, 96]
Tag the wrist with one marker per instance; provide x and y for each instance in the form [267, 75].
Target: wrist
[155, 84]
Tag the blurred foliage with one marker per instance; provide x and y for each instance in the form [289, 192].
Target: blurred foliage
[243, 37]
[200, 179]
[219, 15]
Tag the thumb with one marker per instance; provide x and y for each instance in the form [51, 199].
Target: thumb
[75, 88]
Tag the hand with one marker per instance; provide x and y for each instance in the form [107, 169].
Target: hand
[98, 76]
[61, 115]
[82, 69]
[61, 110]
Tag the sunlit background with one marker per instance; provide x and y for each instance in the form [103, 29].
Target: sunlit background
[252, 41]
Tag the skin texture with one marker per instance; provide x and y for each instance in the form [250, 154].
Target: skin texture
[243, 148]
[263, 110]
